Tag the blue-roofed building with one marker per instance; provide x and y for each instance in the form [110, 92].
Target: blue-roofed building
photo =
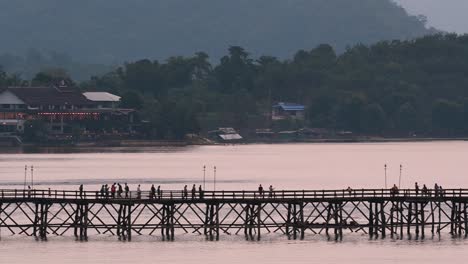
[288, 110]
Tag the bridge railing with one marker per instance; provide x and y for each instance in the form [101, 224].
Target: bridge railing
[214, 195]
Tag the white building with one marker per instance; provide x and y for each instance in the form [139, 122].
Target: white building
[12, 115]
[103, 100]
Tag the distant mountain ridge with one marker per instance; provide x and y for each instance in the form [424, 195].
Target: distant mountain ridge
[108, 31]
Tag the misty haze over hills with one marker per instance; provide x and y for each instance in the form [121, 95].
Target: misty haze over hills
[448, 15]
[109, 31]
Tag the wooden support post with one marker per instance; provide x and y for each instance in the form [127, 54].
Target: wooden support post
[207, 219]
[172, 222]
[119, 222]
[163, 221]
[432, 218]
[211, 221]
[129, 222]
[371, 221]
[247, 219]
[1, 211]
[337, 224]
[36, 219]
[76, 220]
[251, 221]
[384, 221]
[123, 219]
[376, 219]
[81, 221]
[423, 220]
[301, 218]
[401, 212]
[85, 222]
[295, 221]
[440, 218]
[452, 219]
[341, 220]
[465, 216]
[45, 213]
[410, 211]
[288, 222]
[259, 221]
[217, 222]
[329, 215]
[459, 224]
[416, 218]
[392, 212]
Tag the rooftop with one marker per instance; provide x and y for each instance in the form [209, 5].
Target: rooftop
[49, 95]
[290, 106]
[101, 97]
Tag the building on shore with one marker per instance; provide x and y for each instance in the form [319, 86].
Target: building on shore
[282, 111]
[225, 134]
[63, 110]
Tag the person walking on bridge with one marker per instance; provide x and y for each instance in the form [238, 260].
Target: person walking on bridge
[159, 192]
[425, 190]
[436, 190]
[138, 192]
[113, 189]
[185, 193]
[200, 192]
[127, 190]
[194, 192]
[81, 190]
[416, 188]
[152, 192]
[270, 193]
[102, 191]
[120, 190]
[260, 190]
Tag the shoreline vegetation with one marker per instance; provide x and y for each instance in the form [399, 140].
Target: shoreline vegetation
[207, 142]
[409, 89]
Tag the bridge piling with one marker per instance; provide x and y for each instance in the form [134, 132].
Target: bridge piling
[371, 221]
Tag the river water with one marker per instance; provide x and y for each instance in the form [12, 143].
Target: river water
[288, 166]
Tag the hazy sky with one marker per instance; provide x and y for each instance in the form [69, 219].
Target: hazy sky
[447, 15]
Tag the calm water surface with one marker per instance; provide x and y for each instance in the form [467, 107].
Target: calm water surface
[291, 166]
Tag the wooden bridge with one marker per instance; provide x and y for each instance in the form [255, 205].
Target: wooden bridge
[377, 213]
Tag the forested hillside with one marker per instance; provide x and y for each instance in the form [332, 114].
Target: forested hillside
[393, 88]
[108, 31]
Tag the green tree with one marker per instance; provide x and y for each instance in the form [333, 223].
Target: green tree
[373, 118]
[131, 100]
[447, 117]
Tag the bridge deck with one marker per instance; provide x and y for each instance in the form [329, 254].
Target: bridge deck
[294, 213]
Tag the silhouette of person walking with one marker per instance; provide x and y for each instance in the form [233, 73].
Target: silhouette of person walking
[194, 191]
[200, 192]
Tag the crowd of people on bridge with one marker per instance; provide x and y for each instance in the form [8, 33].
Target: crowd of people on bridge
[120, 191]
[117, 190]
[424, 191]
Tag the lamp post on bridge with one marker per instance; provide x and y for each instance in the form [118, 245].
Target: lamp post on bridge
[32, 176]
[385, 169]
[214, 178]
[399, 179]
[25, 176]
[204, 176]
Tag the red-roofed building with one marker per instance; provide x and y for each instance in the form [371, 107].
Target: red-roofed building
[62, 109]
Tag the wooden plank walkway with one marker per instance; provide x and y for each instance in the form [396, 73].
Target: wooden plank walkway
[378, 213]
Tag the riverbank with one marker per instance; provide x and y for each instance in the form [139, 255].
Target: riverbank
[150, 145]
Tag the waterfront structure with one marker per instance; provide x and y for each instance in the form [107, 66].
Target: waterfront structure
[62, 109]
[377, 213]
[282, 111]
[103, 100]
[225, 134]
